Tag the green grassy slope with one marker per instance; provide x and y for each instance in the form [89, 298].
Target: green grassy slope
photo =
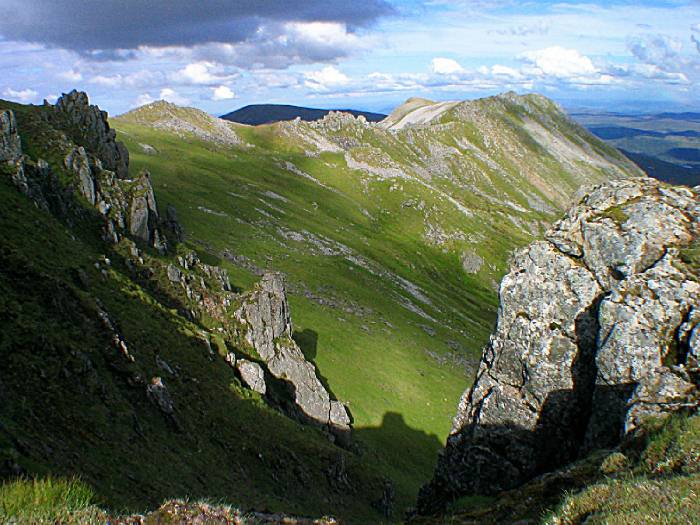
[72, 404]
[372, 228]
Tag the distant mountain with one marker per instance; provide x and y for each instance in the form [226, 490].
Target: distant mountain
[687, 115]
[621, 132]
[256, 114]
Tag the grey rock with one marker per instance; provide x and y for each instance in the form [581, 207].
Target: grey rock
[252, 375]
[595, 333]
[158, 394]
[143, 213]
[77, 161]
[10, 143]
[172, 224]
[88, 125]
[471, 262]
[267, 328]
[174, 274]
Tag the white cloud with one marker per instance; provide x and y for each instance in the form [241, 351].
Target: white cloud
[23, 95]
[660, 50]
[223, 93]
[71, 75]
[173, 96]
[326, 78]
[143, 99]
[332, 34]
[142, 78]
[107, 81]
[445, 66]
[498, 70]
[560, 63]
[196, 73]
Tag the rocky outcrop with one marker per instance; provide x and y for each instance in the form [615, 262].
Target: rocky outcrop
[597, 331]
[88, 125]
[77, 161]
[98, 166]
[143, 212]
[252, 375]
[266, 327]
[10, 143]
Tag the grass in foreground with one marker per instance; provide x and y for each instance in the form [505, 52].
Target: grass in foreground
[48, 501]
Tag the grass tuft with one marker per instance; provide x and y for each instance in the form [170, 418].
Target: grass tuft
[48, 501]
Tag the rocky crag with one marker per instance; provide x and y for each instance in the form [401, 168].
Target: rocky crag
[88, 125]
[598, 331]
[266, 326]
[95, 164]
[153, 345]
[129, 212]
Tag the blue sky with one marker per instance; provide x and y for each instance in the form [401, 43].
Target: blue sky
[368, 54]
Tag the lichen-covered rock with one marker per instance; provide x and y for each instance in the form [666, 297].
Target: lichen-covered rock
[10, 143]
[143, 214]
[267, 328]
[252, 375]
[595, 333]
[87, 125]
[78, 162]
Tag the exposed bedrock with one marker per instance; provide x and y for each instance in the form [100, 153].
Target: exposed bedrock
[597, 330]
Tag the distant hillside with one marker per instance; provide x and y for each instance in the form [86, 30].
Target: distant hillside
[256, 114]
[665, 171]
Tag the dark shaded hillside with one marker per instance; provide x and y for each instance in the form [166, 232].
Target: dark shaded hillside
[665, 171]
[117, 347]
[256, 114]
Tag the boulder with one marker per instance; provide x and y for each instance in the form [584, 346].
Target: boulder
[252, 375]
[266, 327]
[595, 333]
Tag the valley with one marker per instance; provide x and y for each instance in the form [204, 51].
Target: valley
[391, 238]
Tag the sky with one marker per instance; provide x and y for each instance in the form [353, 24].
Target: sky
[219, 55]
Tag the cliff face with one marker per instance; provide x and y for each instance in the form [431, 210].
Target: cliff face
[88, 125]
[147, 352]
[266, 326]
[597, 330]
[98, 168]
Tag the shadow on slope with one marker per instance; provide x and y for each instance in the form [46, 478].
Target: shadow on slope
[72, 404]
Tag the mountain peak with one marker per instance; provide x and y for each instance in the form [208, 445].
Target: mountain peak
[162, 114]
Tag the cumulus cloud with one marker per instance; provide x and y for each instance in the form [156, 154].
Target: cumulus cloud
[87, 25]
[197, 73]
[326, 78]
[142, 78]
[506, 72]
[445, 66]
[71, 75]
[22, 95]
[173, 96]
[223, 93]
[559, 62]
[662, 51]
[143, 99]
[278, 46]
